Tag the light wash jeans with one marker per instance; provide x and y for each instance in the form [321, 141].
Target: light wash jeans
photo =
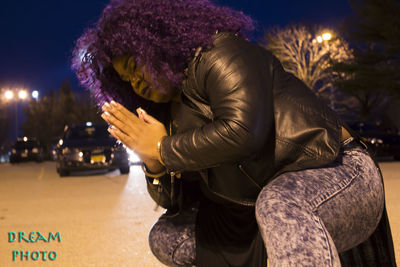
[305, 217]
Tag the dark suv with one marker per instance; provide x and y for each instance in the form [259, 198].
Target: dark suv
[25, 149]
[89, 146]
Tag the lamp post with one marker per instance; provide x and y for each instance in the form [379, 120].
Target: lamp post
[10, 95]
[327, 36]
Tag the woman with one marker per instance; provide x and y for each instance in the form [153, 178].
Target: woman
[243, 156]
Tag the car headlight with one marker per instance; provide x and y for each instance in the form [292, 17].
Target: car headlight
[374, 140]
[35, 150]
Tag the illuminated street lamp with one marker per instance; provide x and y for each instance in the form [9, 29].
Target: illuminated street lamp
[35, 95]
[16, 96]
[9, 94]
[326, 36]
[22, 94]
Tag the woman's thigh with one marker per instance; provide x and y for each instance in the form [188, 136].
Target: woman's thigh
[346, 195]
[351, 208]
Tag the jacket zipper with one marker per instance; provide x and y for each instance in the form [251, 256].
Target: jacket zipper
[248, 176]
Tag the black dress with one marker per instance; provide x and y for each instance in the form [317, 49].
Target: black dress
[227, 235]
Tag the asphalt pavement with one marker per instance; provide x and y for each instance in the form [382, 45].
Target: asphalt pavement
[96, 218]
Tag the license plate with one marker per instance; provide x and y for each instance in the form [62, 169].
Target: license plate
[98, 158]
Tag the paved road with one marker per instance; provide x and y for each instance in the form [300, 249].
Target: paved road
[102, 219]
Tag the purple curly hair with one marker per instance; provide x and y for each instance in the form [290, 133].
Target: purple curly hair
[161, 35]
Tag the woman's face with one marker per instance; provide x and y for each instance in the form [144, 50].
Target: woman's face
[140, 81]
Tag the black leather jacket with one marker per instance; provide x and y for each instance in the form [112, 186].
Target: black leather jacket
[244, 120]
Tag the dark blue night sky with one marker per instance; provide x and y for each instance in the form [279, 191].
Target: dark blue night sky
[37, 36]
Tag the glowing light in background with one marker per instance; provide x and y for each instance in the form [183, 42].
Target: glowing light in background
[35, 95]
[25, 139]
[22, 94]
[326, 36]
[9, 95]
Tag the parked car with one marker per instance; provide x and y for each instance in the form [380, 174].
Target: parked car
[385, 143]
[4, 154]
[25, 149]
[89, 146]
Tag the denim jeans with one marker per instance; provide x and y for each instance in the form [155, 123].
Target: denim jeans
[305, 217]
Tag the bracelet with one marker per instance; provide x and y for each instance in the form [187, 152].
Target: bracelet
[153, 175]
[159, 151]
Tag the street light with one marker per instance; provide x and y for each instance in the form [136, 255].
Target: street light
[9, 94]
[22, 94]
[16, 95]
[35, 95]
[326, 36]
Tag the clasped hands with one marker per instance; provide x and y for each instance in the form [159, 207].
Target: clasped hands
[140, 133]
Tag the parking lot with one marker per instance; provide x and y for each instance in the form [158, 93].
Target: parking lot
[101, 219]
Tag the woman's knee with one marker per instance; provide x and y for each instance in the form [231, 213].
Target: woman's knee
[159, 243]
[172, 244]
[276, 198]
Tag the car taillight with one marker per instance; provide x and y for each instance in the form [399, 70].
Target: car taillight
[65, 151]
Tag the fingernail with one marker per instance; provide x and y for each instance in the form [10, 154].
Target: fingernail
[105, 106]
[113, 103]
[140, 110]
[106, 114]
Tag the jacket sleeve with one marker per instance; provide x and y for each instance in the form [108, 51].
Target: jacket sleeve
[236, 80]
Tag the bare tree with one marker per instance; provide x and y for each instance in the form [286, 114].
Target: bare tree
[308, 53]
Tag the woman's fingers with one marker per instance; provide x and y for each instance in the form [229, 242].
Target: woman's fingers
[122, 126]
[146, 117]
[140, 134]
[115, 112]
[124, 138]
[120, 117]
[123, 112]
